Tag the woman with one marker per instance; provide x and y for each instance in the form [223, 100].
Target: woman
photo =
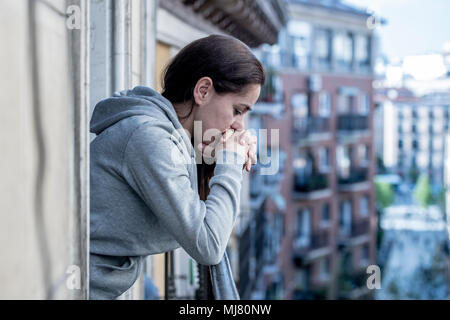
[150, 190]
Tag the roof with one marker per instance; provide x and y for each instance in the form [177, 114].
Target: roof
[335, 5]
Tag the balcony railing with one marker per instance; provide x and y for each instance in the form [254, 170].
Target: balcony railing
[317, 240]
[311, 125]
[353, 122]
[320, 239]
[356, 175]
[312, 183]
[251, 253]
[360, 228]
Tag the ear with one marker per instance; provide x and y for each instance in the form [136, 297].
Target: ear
[203, 91]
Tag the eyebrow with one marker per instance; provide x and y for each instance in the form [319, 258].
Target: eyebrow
[247, 107]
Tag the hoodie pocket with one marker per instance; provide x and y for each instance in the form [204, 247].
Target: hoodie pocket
[121, 264]
[111, 276]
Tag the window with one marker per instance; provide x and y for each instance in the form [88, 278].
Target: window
[272, 91]
[438, 143]
[300, 35]
[345, 217]
[365, 255]
[324, 159]
[424, 142]
[343, 160]
[300, 103]
[343, 49]
[362, 50]
[437, 160]
[423, 160]
[274, 234]
[324, 269]
[322, 47]
[345, 103]
[364, 106]
[363, 155]
[438, 125]
[303, 167]
[325, 218]
[274, 58]
[364, 206]
[303, 228]
[301, 279]
[324, 104]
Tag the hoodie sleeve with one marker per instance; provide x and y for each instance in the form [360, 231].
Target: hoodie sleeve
[156, 169]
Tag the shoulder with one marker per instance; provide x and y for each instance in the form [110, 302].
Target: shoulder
[154, 131]
[158, 139]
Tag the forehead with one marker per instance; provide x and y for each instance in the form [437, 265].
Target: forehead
[248, 95]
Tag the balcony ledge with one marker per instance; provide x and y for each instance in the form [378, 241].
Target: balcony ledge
[313, 138]
[311, 195]
[358, 186]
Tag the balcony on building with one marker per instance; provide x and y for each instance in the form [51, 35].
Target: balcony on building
[311, 186]
[350, 123]
[353, 179]
[360, 228]
[308, 247]
[310, 127]
[353, 233]
[270, 100]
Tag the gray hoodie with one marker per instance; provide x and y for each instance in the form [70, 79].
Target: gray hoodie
[144, 196]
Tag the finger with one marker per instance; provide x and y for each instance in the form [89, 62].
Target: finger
[253, 158]
[252, 154]
[201, 146]
[245, 138]
[208, 150]
[228, 133]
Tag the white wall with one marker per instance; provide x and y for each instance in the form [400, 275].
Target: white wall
[43, 203]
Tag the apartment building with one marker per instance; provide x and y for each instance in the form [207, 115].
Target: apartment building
[321, 86]
[416, 129]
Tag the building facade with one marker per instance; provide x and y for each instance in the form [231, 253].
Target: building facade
[416, 128]
[320, 82]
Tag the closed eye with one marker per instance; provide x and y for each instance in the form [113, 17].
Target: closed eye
[237, 112]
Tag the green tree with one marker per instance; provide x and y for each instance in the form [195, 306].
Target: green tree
[422, 191]
[384, 194]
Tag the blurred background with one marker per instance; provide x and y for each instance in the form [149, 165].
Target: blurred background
[356, 108]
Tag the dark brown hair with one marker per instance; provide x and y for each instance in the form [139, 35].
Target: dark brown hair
[227, 61]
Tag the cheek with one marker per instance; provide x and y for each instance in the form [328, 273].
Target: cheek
[223, 117]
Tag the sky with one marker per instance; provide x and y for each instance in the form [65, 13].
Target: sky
[414, 27]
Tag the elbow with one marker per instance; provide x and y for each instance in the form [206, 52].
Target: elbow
[211, 258]
[214, 260]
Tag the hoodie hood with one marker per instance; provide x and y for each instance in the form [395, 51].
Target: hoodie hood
[139, 101]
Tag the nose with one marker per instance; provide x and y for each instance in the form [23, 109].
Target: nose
[238, 124]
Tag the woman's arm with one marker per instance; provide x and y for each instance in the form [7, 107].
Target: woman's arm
[156, 169]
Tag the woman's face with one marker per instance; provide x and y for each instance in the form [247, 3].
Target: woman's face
[224, 111]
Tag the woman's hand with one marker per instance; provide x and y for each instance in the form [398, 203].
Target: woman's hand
[247, 139]
[240, 141]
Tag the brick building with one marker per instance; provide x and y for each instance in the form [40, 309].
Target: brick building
[320, 83]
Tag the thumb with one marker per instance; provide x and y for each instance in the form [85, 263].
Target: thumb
[201, 146]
